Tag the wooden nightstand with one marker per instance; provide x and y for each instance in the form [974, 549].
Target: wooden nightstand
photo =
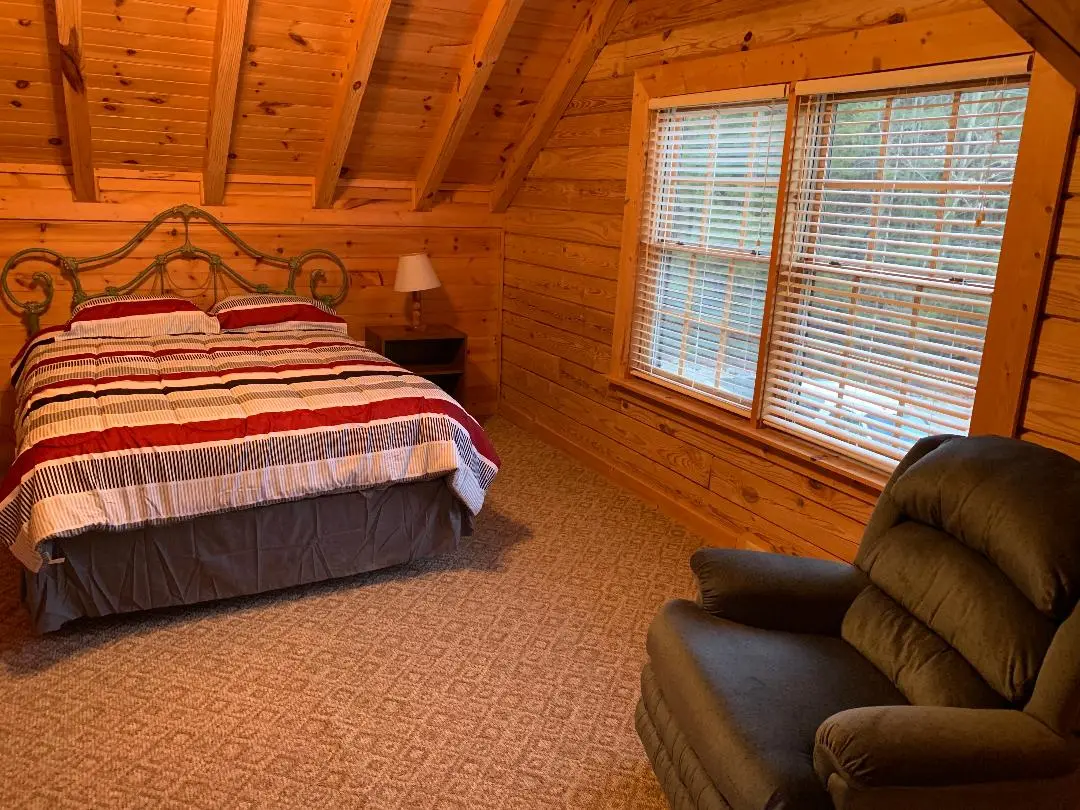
[437, 353]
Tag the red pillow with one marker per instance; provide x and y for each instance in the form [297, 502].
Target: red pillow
[275, 313]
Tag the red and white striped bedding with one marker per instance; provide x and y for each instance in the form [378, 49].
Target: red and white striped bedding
[122, 433]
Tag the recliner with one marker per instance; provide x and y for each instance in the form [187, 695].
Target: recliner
[942, 670]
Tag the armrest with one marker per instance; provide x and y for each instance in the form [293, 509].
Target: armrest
[936, 746]
[775, 591]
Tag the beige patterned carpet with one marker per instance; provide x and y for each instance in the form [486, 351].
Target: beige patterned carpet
[502, 676]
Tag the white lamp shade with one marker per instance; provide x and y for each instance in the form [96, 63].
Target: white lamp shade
[414, 272]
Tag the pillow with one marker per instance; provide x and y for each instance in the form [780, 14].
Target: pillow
[275, 313]
[133, 316]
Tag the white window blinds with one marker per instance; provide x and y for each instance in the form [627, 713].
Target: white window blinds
[895, 213]
[706, 239]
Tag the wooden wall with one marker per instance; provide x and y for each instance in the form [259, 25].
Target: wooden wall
[369, 229]
[562, 244]
[1052, 416]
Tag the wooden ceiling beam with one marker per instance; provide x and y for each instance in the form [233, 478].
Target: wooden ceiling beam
[232, 19]
[369, 28]
[491, 35]
[1051, 27]
[76, 101]
[586, 45]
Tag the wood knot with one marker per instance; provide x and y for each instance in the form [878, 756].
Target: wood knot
[749, 494]
[357, 84]
[22, 84]
[896, 18]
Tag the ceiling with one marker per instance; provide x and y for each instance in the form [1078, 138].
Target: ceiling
[148, 66]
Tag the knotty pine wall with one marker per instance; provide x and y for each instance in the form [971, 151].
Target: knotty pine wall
[1052, 414]
[562, 247]
[368, 229]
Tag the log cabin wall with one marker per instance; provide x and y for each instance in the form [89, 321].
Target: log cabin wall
[561, 260]
[1052, 412]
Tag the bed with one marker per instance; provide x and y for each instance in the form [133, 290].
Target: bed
[172, 469]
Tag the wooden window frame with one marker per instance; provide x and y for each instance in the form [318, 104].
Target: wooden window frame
[948, 44]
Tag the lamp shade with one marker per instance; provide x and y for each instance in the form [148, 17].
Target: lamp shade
[414, 272]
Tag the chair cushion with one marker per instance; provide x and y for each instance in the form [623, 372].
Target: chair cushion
[749, 701]
[1010, 501]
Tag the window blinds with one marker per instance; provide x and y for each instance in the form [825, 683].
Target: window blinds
[707, 230]
[895, 213]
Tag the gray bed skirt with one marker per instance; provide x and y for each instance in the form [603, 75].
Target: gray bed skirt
[244, 552]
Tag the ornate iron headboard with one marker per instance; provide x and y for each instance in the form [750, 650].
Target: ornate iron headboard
[157, 270]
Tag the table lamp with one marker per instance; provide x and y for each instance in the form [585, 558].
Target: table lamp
[415, 274]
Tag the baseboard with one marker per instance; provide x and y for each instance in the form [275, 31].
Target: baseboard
[715, 533]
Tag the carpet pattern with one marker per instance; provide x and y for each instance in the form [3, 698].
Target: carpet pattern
[501, 676]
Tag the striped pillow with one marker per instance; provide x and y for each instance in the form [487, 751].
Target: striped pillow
[134, 316]
[275, 313]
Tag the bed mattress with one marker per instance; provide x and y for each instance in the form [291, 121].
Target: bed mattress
[114, 435]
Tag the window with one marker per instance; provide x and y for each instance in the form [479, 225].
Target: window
[712, 183]
[897, 206]
[875, 313]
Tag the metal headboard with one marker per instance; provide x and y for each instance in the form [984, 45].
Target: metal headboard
[157, 271]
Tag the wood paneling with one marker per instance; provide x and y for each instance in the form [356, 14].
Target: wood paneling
[1042, 166]
[1052, 416]
[149, 84]
[563, 232]
[494, 28]
[1051, 26]
[588, 40]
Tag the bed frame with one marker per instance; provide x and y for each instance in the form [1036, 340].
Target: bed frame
[157, 272]
[236, 553]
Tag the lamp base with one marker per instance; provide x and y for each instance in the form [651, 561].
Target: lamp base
[416, 322]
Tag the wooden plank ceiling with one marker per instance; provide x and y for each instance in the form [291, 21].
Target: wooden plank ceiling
[398, 92]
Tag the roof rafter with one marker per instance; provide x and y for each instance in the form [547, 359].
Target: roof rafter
[369, 28]
[228, 51]
[588, 41]
[491, 35]
[76, 102]
[1050, 27]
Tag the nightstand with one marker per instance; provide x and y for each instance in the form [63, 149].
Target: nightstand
[436, 353]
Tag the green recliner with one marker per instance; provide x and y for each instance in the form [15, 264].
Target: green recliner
[942, 670]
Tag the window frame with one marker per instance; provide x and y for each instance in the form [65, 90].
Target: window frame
[758, 93]
[889, 56]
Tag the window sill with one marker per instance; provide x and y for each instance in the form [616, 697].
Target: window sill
[791, 452]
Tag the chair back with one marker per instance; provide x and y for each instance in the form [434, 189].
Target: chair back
[973, 552]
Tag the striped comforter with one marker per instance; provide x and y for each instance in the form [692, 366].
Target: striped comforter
[124, 433]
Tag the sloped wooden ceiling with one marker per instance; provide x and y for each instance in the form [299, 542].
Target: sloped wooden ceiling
[1052, 27]
[151, 73]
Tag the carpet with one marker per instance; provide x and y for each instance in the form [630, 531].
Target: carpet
[501, 676]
